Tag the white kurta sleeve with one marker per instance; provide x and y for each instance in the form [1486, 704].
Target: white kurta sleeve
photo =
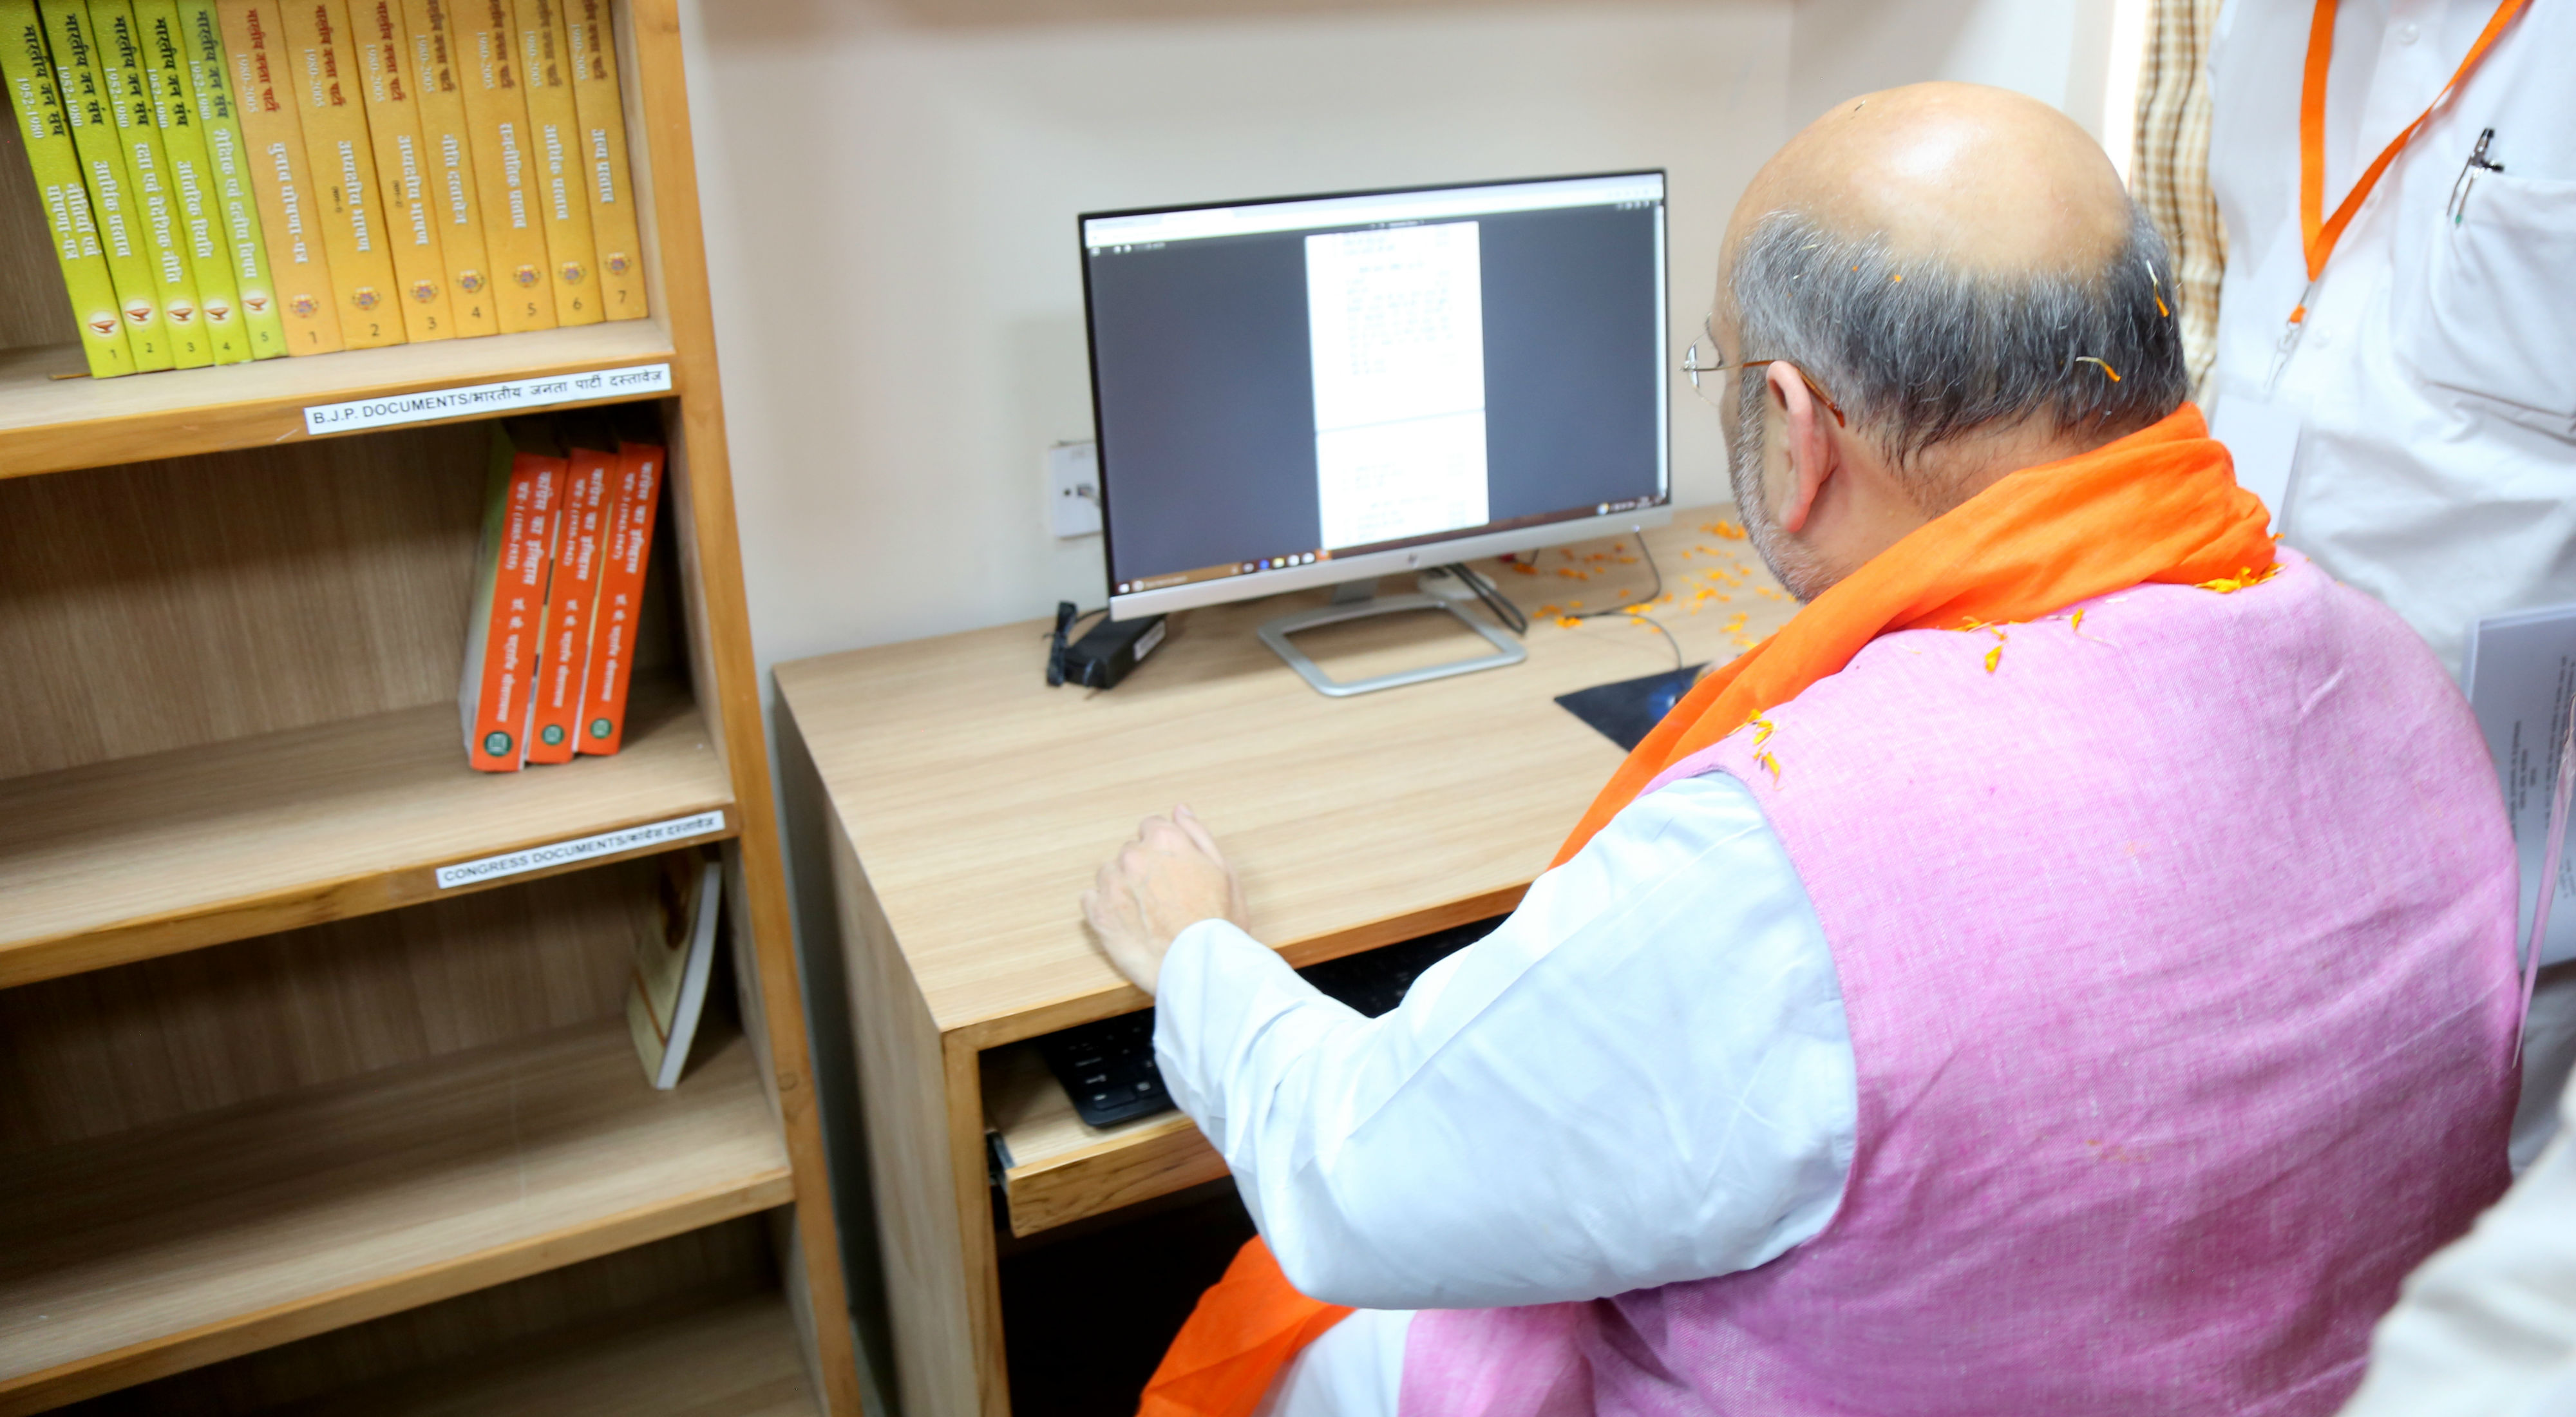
[1642, 1076]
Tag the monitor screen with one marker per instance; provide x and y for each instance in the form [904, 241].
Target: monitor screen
[1305, 390]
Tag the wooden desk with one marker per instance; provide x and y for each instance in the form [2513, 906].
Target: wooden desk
[967, 806]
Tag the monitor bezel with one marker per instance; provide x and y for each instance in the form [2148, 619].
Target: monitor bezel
[1466, 546]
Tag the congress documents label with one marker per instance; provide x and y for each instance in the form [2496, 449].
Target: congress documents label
[483, 400]
[589, 848]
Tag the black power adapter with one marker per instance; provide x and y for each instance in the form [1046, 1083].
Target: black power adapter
[1105, 654]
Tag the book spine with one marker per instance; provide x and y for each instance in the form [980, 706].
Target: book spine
[497, 735]
[323, 80]
[45, 131]
[504, 174]
[124, 75]
[192, 178]
[102, 170]
[621, 598]
[554, 129]
[280, 179]
[447, 141]
[393, 120]
[601, 110]
[571, 597]
[236, 210]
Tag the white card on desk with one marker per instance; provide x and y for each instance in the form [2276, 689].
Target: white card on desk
[2521, 676]
[2263, 439]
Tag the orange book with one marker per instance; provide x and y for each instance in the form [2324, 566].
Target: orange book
[590, 455]
[280, 177]
[636, 489]
[521, 496]
[602, 110]
[554, 128]
[322, 82]
[403, 169]
[449, 141]
[482, 34]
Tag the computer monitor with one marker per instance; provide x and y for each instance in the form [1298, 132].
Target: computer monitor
[1305, 391]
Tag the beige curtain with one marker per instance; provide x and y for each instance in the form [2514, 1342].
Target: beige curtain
[2169, 172]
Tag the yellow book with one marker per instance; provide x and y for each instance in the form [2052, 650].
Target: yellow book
[505, 177]
[255, 56]
[322, 59]
[596, 102]
[102, 169]
[449, 143]
[46, 132]
[192, 178]
[393, 120]
[229, 157]
[554, 130]
[147, 177]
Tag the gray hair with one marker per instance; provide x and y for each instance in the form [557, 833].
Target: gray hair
[1918, 353]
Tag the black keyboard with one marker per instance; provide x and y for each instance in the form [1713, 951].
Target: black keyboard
[1108, 1066]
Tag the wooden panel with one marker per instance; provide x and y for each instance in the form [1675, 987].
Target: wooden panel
[169, 1247]
[49, 425]
[1063, 1169]
[629, 1290]
[938, 1283]
[93, 1054]
[710, 555]
[172, 604]
[145, 856]
[983, 801]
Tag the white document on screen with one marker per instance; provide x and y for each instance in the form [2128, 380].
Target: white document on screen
[1396, 321]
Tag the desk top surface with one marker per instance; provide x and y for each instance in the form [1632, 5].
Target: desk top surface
[980, 802]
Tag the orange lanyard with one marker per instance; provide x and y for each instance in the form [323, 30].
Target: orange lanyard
[2317, 231]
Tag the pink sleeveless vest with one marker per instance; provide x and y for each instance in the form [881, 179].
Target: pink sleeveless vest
[2177, 952]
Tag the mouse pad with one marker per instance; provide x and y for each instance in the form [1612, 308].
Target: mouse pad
[1626, 711]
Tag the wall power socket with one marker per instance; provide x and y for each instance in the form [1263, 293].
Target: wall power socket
[1073, 489]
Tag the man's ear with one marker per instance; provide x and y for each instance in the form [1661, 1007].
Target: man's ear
[1809, 446]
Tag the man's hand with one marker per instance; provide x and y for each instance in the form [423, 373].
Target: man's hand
[1169, 878]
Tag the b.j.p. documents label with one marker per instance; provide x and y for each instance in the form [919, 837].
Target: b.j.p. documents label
[484, 400]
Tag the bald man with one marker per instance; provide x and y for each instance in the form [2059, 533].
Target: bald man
[2092, 1015]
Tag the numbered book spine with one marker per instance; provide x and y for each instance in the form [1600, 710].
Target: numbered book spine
[545, 76]
[636, 487]
[101, 176]
[601, 111]
[323, 60]
[124, 74]
[565, 658]
[402, 167]
[236, 210]
[44, 129]
[447, 141]
[281, 182]
[504, 166]
[192, 178]
[521, 493]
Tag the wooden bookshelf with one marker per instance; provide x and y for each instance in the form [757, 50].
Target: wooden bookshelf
[278, 1100]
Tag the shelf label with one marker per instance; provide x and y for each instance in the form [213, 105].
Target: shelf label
[565, 853]
[634, 381]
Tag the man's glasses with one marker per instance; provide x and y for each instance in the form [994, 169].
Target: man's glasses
[1713, 364]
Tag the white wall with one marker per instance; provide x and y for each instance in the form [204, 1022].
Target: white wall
[2056, 51]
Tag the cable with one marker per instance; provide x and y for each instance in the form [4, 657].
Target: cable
[1632, 611]
[1511, 615]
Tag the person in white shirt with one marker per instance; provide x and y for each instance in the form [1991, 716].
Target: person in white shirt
[1991, 1014]
[2418, 437]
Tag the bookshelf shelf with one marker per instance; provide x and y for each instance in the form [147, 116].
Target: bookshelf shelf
[50, 424]
[736, 1359]
[147, 856]
[166, 1247]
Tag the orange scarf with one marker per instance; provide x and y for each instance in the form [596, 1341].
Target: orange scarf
[2160, 505]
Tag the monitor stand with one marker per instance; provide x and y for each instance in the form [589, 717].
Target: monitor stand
[1353, 600]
